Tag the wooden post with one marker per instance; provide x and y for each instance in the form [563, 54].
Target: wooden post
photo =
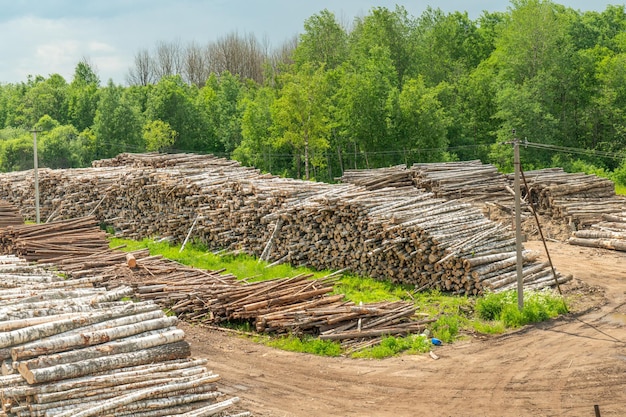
[36, 171]
[518, 225]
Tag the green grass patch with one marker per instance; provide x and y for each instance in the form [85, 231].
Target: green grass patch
[306, 344]
[447, 327]
[492, 327]
[392, 346]
[243, 266]
[538, 306]
[620, 189]
[368, 290]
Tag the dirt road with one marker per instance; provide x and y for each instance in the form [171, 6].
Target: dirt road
[560, 368]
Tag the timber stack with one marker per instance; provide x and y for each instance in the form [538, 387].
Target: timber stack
[397, 233]
[403, 235]
[296, 305]
[610, 233]
[45, 242]
[69, 349]
[9, 215]
[467, 181]
[577, 199]
[375, 179]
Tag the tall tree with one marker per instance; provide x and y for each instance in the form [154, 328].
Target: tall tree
[83, 96]
[45, 96]
[172, 101]
[300, 116]
[117, 124]
[324, 42]
[256, 129]
[240, 55]
[59, 148]
[143, 72]
[169, 59]
[364, 106]
[195, 65]
[227, 119]
[388, 30]
[534, 58]
[422, 122]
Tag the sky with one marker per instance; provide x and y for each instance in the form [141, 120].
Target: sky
[44, 37]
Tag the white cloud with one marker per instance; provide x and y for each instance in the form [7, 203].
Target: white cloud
[99, 47]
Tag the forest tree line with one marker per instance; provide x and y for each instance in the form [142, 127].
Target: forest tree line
[385, 89]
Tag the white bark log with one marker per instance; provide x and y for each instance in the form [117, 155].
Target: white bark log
[106, 349]
[90, 338]
[136, 396]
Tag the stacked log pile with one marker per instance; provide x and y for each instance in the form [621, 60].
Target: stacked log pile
[297, 305]
[401, 234]
[69, 349]
[578, 199]
[468, 181]
[375, 179]
[45, 242]
[288, 305]
[9, 215]
[610, 233]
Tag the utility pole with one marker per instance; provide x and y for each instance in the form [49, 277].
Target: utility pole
[36, 173]
[518, 224]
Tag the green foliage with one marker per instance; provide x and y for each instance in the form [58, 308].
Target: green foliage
[60, 148]
[117, 124]
[323, 43]
[17, 154]
[368, 290]
[300, 117]
[227, 118]
[390, 89]
[538, 306]
[447, 327]
[44, 97]
[619, 175]
[173, 102]
[422, 122]
[158, 135]
[256, 122]
[392, 346]
[306, 344]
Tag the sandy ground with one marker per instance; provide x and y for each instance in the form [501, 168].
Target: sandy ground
[559, 368]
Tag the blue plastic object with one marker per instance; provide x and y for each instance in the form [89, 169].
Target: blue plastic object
[435, 341]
